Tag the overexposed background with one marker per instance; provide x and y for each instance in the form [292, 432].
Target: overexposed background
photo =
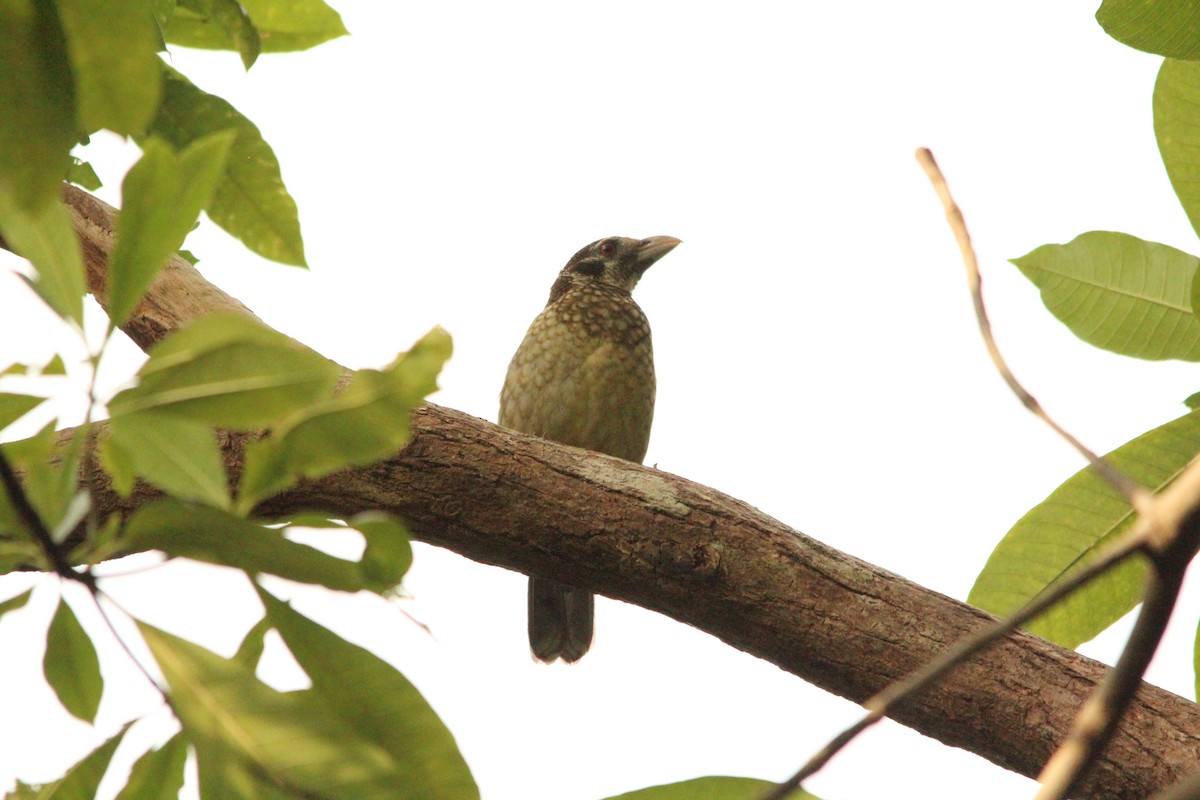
[817, 354]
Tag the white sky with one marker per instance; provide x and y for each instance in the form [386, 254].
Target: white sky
[816, 350]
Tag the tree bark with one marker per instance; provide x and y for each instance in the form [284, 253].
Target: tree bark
[706, 559]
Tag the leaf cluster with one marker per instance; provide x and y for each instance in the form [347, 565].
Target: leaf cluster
[1133, 297]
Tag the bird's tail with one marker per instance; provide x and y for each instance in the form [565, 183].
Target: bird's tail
[560, 621]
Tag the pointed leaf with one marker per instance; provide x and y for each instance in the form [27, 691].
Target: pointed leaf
[38, 128]
[250, 201]
[1177, 128]
[163, 195]
[223, 22]
[13, 603]
[1066, 529]
[158, 774]
[54, 366]
[284, 26]
[207, 534]
[365, 422]
[251, 649]
[53, 488]
[382, 706]
[177, 455]
[82, 174]
[1169, 29]
[118, 462]
[388, 554]
[71, 666]
[1120, 293]
[82, 779]
[48, 241]
[15, 406]
[112, 45]
[287, 738]
[714, 788]
[228, 370]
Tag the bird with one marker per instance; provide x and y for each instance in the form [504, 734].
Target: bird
[584, 376]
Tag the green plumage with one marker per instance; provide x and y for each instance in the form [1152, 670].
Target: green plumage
[584, 376]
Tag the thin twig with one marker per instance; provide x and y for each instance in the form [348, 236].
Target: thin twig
[1099, 716]
[1170, 531]
[125, 646]
[35, 525]
[1136, 495]
[884, 702]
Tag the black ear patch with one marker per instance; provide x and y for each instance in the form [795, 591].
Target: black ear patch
[590, 266]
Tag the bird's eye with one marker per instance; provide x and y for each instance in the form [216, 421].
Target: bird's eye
[608, 248]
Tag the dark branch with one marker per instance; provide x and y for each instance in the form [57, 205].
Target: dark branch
[711, 561]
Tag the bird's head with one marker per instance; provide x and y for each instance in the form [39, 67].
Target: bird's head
[616, 261]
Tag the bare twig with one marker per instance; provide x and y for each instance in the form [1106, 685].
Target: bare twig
[1168, 533]
[885, 702]
[632, 528]
[1136, 495]
[1098, 718]
[37, 528]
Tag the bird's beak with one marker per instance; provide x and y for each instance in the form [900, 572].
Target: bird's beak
[654, 248]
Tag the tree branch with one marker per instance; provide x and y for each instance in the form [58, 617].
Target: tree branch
[708, 560]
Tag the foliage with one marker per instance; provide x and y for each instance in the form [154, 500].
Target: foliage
[74, 67]
[1129, 296]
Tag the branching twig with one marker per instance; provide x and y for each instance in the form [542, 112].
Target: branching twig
[1137, 496]
[1169, 533]
[884, 703]
[35, 525]
[1099, 716]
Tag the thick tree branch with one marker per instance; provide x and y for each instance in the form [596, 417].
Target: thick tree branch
[711, 561]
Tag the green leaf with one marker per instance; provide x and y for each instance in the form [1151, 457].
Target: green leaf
[52, 488]
[713, 788]
[206, 534]
[367, 421]
[1066, 530]
[282, 25]
[1177, 128]
[1169, 29]
[224, 21]
[1120, 293]
[24, 791]
[388, 554]
[158, 774]
[15, 406]
[118, 462]
[1196, 662]
[250, 201]
[235, 720]
[177, 455]
[48, 241]
[54, 366]
[71, 666]
[228, 370]
[1192, 401]
[251, 649]
[37, 128]
[13, 603]
[82, 779]
[367, 693]
[30, 456]
[82, 174]
[112, 45]
[163, 195]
